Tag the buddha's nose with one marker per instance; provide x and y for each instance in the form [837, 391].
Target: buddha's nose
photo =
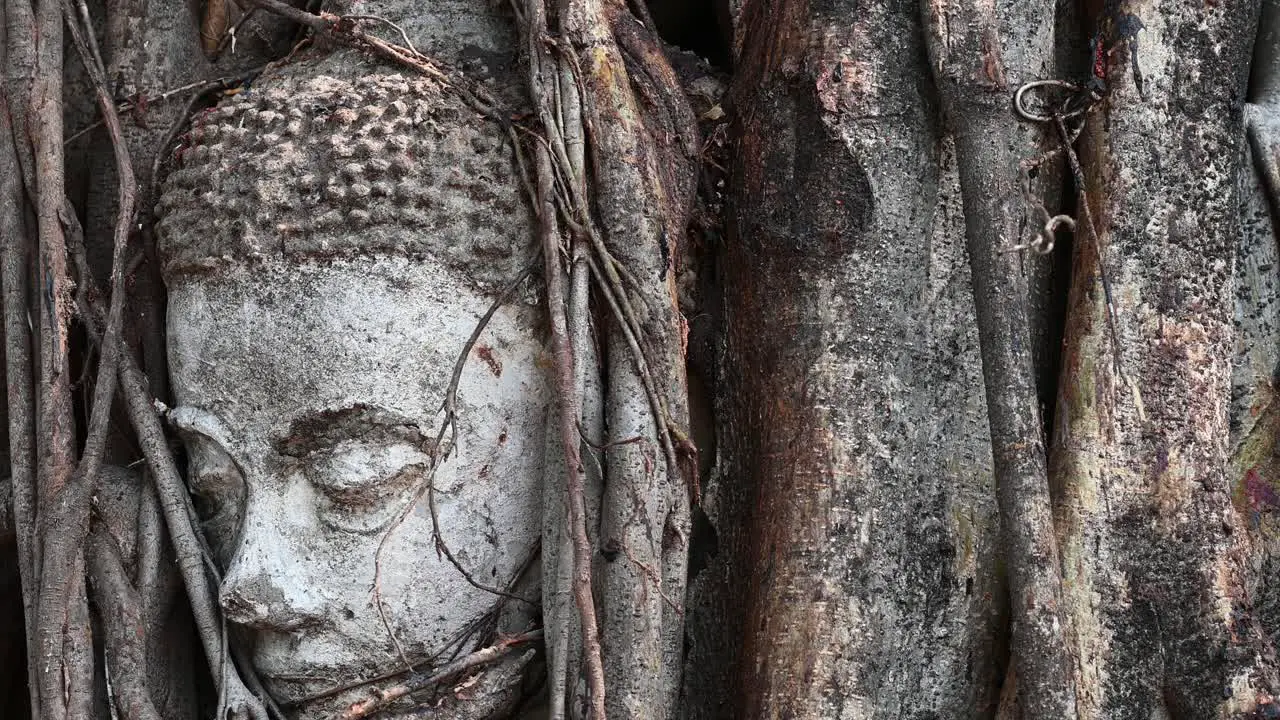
[260, 591]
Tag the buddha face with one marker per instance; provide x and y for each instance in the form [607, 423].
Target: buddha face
[308, 396]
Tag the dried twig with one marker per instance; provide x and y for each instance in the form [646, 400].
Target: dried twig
[199, 88]
[501, 649]
[381, 20]
[346, 30]
[440, 452]
[450, 649]
[1077, 106]
[1082, 194]
[450, 409]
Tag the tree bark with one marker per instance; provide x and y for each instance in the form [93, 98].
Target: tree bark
[979, 52]
[881, 490]
[855, 443]
[64, 662]
[1154, 553]
[120, 616]
[1255, 415]
[20, 406]
[641, 148]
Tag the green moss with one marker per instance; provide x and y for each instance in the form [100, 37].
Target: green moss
[1256, 451]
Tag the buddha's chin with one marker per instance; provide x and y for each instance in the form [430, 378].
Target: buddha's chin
[293, 681]
[313, 687]
[323, 667]
[327, 699]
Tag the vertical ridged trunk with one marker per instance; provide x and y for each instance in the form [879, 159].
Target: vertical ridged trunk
[1255, 418]
[1154, 553]
[855, 504]
[979, 53]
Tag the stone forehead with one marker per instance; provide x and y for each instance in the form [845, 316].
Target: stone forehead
[324, 166]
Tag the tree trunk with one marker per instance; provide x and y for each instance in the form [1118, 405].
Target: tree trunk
[854, 433]
[1255, 416]
[1155, 555]
[887, 530]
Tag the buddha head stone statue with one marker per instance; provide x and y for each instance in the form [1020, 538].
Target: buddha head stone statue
[330, 239]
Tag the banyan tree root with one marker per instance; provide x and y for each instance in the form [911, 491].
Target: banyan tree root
[586, 105]
[14, 257]
[975, 63]
[120, 611]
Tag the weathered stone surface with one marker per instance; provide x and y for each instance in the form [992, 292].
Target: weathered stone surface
[310, 165]
[330, 239]
[308, 396]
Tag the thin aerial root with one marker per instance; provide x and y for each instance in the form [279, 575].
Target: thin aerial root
[1079, 104]
[440, 452]
[485, 656]
[543, 73]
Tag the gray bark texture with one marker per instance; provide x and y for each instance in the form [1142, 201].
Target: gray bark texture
[431, 295]
[1156, 557]
[1255, 416]
[978, 52]
[855, 507]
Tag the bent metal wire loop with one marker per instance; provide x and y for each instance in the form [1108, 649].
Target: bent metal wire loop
[1083, 99]
[1066, 112]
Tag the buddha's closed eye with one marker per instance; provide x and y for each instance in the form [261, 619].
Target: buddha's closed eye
[364, 485]
[361, 461]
